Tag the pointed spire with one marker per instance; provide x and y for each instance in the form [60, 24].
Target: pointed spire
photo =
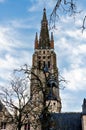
[44, 41]
[36, 41]
[44, 15]
[52, 41]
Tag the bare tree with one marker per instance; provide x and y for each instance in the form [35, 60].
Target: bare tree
[68, 7]
[40, 112]
[23, 108]
[27, 108]
[15, 99]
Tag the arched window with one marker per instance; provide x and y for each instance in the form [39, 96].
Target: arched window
[3, 125]
[43, 63]
[48, 64]
[39, 65]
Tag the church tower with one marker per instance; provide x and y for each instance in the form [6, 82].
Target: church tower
[44, 61]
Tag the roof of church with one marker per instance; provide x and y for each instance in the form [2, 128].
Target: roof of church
[68, 121]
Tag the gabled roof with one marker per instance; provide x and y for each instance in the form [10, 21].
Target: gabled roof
[67, 121]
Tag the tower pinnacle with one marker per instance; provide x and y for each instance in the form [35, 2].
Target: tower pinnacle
[44, 41]
[52, 41]
[36, 41]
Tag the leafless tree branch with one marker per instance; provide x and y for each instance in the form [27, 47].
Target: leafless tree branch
[68, 7]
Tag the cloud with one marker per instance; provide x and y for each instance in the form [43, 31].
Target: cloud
[40, 4]
[1, 1]
[69, 101]
[76, 78]
[7, 37]
[70, 46]
[9, 63]
[35, 5]
[21, 23]
[14, 52]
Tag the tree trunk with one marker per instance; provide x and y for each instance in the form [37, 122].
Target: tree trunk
[19, 127]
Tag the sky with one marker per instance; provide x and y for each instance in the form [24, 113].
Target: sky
[19, 22]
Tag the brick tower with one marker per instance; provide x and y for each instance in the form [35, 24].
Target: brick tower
[44, 58]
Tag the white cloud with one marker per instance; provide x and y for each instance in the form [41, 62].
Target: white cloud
[76, 78]
[35, 5]
[81, 49]
[9, 63]
[1, 1]
[70, 47]
[40, 4]
[11, 38]
[69, 100]
[13, 53]
[21, 23]
[7, 37]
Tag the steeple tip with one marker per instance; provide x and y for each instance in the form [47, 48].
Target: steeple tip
[44, 9]
[44, 40]
[44, 15]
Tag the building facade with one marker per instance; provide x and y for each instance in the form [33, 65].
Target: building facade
[5, 123]
[44, 61]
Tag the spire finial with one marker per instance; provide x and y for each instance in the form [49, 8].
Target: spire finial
[44, 15]
[44, 9]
